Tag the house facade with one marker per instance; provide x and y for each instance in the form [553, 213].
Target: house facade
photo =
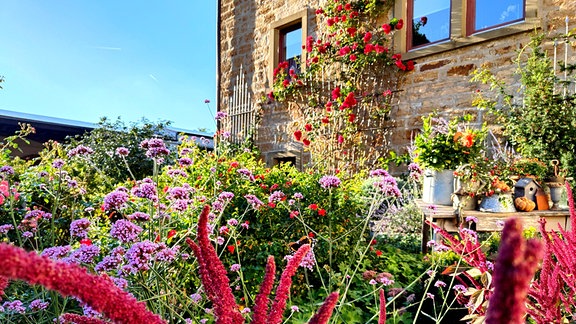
[447, 40]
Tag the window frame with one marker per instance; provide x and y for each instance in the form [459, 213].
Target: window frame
[471, 19]
[276, 28]
[459, 36]
[409, 28]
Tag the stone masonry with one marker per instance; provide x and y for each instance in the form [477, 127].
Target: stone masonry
[439, 82]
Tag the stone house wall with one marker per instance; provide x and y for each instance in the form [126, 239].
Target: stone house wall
[440, 80]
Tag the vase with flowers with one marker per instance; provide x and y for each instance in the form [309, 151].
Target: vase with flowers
[443, 146]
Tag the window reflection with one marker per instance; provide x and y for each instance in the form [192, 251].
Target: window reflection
[491, 13]
[291, 46]
[430, 21]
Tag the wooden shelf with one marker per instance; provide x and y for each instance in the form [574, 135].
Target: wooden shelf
[449, 219]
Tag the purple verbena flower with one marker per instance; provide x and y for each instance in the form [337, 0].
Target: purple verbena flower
[155, 148]
[277, 196]
[86, 253]
[145, 189]
[38, 304]
[122, 151]
[57, 163]
[138, 216]
[221, 115]
[329, 182]
[5, 228]
[125, 231]
[115, 200]
[139, 256]
[7, 170]
[79, 227]
[80, 150]
[56, 252]
[254, 201]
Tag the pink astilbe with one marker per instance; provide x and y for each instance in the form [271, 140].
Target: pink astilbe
[79, 319]
[283, 289]
[325, 311]
[99, 292]
[515, 267]
[213, 275]
[261, 302]
[382, 315]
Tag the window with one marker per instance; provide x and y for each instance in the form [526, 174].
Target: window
[488, 14]
[290, 46]
[442, 25]
[430, 22]
[288, 35]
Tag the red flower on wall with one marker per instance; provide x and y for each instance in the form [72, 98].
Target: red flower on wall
[308, 127]
[351, 118]
[306, 142]
[298, 135]
[387, 28]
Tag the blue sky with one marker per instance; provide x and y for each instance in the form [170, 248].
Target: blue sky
[85, 59]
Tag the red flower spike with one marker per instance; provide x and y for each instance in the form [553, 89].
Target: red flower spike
[79, 319]
[382, 312]
[99, 292]
[325, 311]
[214, 275]
[515, 266]
[261, 302]
[3, 285]
[283, 289]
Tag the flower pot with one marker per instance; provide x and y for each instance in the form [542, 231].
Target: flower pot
[465, 202]
[438, 187]
[498, 203]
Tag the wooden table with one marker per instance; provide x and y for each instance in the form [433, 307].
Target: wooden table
[449, 219]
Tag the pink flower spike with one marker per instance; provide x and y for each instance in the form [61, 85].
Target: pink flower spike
[99, 292]
[213, 272]
[283, 289]
[325, 311]
[3, 285]
[261, 302]
[515, 266]
[382, 315]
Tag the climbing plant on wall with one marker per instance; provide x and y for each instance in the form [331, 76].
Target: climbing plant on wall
[342, 99]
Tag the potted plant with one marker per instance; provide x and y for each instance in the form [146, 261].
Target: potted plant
[470, 179]
[441, 147]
